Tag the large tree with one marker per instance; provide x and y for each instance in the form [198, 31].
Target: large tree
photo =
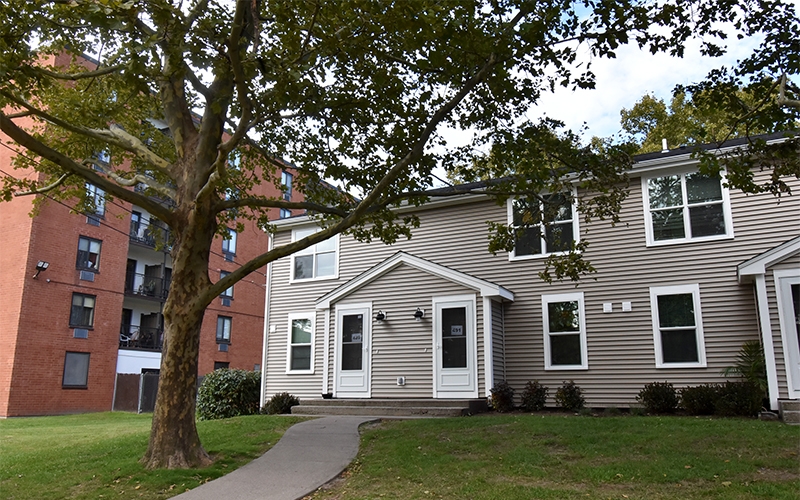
[354, 92]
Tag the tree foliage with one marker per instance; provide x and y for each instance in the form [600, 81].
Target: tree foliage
[355, 92]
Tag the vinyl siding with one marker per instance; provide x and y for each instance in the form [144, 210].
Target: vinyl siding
[621, 355]
[498, 343]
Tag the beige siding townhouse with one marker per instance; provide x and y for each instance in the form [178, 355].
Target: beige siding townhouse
[691, 272]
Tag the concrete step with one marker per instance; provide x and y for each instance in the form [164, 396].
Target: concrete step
[381, 411]
[477, 404]
[790, 411]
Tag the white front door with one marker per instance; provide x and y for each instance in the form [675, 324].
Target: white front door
[788, 289]
[352, 351]
[455, 359]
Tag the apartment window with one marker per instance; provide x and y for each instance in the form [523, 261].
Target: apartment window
[285, 213]
[96, 199]
[221, 365]
[286, 182]
[223, 330]
[301, 341]
[88, 254]
[677, 326]
[564, 332]
[228, 293]
[544, 226]
[76, 370]
[316, 261]
[686, 207]
[82, 312]
[229, 245]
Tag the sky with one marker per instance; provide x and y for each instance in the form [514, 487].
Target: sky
[621, 82]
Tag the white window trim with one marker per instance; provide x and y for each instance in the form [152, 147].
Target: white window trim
[311, 316]
[576, 237]
[564, 297]
[694, 289]
[648, 219]
[335, 274]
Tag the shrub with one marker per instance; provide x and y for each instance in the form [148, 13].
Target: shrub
[227, 393]
[750, 365]
[281, 402]
[570, 397]
[612, 411]
[637, 411]
[503, 397]
[738, 399]
[699, 400]
[534, 396]
[658, 397]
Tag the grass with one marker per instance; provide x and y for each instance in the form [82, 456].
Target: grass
[96, 455]
[558, 457]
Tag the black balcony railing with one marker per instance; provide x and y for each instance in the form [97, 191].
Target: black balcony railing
[150, 234]
[141, 338]
[146, 286]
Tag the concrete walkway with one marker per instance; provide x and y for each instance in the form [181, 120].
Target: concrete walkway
[308, 455]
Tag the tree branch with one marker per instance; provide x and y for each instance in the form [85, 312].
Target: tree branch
[289, 205]
[77, 76]
[782, 100]
[30, 143]
[45, 189]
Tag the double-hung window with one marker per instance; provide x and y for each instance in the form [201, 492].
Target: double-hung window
[316, 261]
[88, 254]
[300, 358]
[677, 326]
[223, 330]
[228, 293]
[82, 312]
[229, 245]
[96, 199]
[543, 226]
[564, 332]
[286, 182]
[686, 207]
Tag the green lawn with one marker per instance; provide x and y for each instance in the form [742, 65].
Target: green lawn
[96, 455]
[550, 456]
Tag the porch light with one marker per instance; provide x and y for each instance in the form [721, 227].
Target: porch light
[381, 316]
[41, 266]
[419, 314]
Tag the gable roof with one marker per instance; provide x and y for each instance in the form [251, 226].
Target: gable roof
[759, 264]
[485, 288]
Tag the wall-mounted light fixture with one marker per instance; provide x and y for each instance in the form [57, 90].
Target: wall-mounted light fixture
[41, 266]
[418, 314]
[381, 316]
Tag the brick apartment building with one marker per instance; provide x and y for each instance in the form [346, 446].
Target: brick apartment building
[85, 334]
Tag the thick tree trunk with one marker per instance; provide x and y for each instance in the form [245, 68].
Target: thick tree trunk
[174, 442]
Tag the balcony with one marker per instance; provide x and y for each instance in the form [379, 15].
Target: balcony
[150, 234]
[142, 285]
[140, 338]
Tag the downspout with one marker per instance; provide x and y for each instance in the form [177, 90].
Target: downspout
[267, 295]
[766, 339]
[326, 354]
[488, 358]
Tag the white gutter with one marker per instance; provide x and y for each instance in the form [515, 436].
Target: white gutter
[266, 326]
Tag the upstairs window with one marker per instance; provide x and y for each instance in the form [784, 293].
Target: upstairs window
[286, 182]
[228, 293]
[545, 226]
[285, 213]
[88, 254]
[223, 330]
[97, 200]
[677, 326]
[82, 311]
[686, 207]
[317, 261]
[229, 245]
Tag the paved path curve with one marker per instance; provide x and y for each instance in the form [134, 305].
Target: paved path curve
[308, 455]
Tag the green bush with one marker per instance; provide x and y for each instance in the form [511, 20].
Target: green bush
[281, 402]
[658, 397]
[534, 396]
[699, 400]
[228, 393]
[741, 399]
[570, 397]
[503, 397]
